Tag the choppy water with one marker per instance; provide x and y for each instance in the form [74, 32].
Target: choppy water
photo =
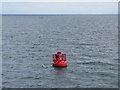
[90, 42]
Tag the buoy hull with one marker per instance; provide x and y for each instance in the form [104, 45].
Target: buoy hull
[60, 64]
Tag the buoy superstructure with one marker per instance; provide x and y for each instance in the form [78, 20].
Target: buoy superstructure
[59, 60]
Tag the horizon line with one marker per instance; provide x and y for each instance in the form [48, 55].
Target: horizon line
[53, 14]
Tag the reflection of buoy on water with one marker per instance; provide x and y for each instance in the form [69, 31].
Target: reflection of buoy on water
[59, 60]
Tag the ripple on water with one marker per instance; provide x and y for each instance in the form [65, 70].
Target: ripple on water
[90, 43]
[94, 63]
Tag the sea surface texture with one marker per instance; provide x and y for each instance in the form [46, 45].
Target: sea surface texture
[90, 42]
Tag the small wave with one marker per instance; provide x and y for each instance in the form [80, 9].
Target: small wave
[36, 44]
[4, 82]
[27, 77]
[95, 63]
[37, 77]
[44, 66]
[31, 77]
[106, 74]
[87, 44]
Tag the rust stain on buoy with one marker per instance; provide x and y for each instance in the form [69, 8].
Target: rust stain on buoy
[59, 60]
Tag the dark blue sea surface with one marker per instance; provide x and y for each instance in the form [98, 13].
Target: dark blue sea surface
[90, 42]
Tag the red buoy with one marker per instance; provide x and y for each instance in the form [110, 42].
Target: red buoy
[59, 60]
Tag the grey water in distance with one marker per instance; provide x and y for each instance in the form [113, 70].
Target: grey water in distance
[90, 42]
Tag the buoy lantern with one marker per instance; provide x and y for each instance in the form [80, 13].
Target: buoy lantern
[59, 60]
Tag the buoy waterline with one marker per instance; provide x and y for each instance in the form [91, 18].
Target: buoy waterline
[59, 60]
